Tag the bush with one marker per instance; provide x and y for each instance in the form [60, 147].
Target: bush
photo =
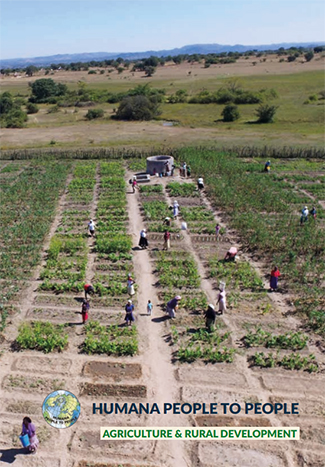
[137, 108]
[94, 113]
[45, 88]
[15, 119]
[92, 72]
[32, 108]
[266, 113]
[309, 56]
[230, 113]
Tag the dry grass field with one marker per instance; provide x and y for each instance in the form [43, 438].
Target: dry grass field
[296, 123]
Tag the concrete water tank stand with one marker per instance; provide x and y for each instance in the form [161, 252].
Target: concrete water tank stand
[157, 164]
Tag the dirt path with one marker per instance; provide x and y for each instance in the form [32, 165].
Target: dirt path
[156, 358]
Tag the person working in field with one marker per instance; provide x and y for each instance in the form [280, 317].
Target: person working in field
[172, 306]
[231, 254]
[221, 302]
[129, 316]
[304, 215]
[134, 184]
[91, 227]
[130, 285]
[28, 428]
[200, 183]
[210, 318]
[89, 290]
[267, 166]
[275, 273]
[143, 242]
[175, 209]
[313, 212]
[85, 310]
[166, 240]
[167, 221]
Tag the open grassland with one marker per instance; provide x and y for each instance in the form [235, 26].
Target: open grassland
[296, 122]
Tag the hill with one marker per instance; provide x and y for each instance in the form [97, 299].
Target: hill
[187, 49]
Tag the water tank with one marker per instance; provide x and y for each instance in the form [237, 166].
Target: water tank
[157, 164]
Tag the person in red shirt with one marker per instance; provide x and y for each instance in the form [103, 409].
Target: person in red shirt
[166, 240]
[275, 273]
[89, 290]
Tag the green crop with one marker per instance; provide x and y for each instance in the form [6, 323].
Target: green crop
[182, 189]
[111, 340]
[42, 336]
[289, 340]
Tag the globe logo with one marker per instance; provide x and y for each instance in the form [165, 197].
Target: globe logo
[61, 409]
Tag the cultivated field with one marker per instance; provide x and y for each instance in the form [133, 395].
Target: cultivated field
[268, 347]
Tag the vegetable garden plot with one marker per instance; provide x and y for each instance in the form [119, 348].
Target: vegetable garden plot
[27, 209]
[43, 336]
[110, 340]
[176, 189]
[65, 269]
[75, 217]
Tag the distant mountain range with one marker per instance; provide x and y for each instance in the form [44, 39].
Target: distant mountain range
[187, 49]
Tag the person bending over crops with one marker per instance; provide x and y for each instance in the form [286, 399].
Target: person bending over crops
[275, 273]
[231, 254]
[210, 318]
[129, 316]
[267, 166]
[28, 428]
[200, 183]
[172, 306]
[85, 310]
[89, 290]
[143, 242]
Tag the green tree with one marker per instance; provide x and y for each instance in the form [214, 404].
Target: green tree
[44, 88]
[265, 113]
[30, 70]
[149, 71]
[309, 55]
[6, 103]
[230, 113]
[137, 108]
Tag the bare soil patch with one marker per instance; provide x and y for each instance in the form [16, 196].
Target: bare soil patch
[216, 420]
[112, 370]
[113, 390]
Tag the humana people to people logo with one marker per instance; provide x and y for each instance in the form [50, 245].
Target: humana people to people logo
[61, 409]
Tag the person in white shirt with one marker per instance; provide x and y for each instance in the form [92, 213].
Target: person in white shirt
[200, 183]
[143, 242]
[91, 227]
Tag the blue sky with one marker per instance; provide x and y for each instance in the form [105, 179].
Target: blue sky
[47, 27]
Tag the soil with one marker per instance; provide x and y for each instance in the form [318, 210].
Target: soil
[113, 390]
[111, 370]
[153, 375]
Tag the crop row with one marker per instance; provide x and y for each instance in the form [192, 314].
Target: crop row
[264, 209]
[27, 210]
